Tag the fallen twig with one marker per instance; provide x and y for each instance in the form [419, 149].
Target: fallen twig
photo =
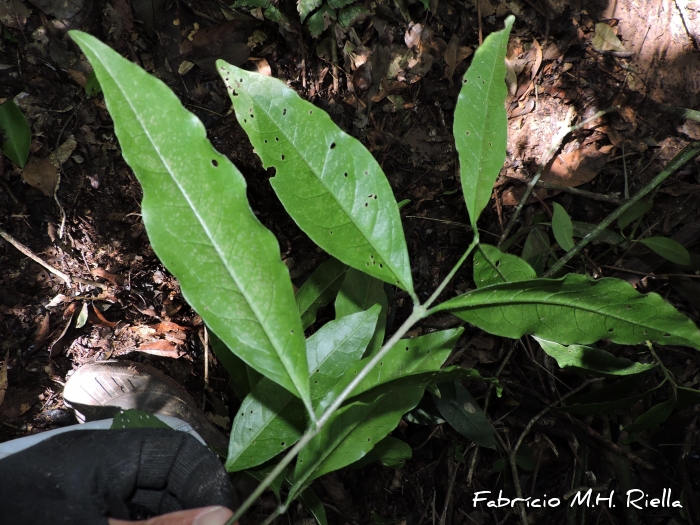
[67, 278]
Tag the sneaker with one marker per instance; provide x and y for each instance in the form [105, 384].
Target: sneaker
[101, 390]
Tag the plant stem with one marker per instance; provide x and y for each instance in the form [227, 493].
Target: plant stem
[679, 160]
[452, 273]
[566, 129]
[418, 313]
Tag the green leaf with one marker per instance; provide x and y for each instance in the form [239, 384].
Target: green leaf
[320, 20]
[336, 346]
[200, 224]
[574, 310]
[605, 39]
[337, 4]
[133, 418]
[92, 86]
[359, 293]
[463, 413]
[562, 228]
[270, 419]
[608, 399]
[581, 229]
[328, 182]
[536, 249]
[314, 506]
[492, 266]
[390, 452]
[353, 431]
[305, 7]
[409, 356]
[652, 418]
[243, 377]
[15, 135]
[634, 212]
[348, 16]
[480, 122]
[82, 316]
[668, 249]
[591, 360]
[319, 290]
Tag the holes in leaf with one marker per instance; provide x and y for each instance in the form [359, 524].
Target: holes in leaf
[252, 116]
[628, 307]
[406, 349]
[468, 133]
[311, 111]
[277, 139]
[365, 172]
[345, 174]
[381, 265]
[611, 330]
[245, 121]
[366, 204]
[332, 145]
[214, 163]
[265, 141]
[282, 444]
[284, 111]
[282, 157]
[667, 335]
[490, 144]
[331, 232]
[291, 332]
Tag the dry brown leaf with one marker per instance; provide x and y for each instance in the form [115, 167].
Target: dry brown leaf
[101, 321]
[160, 348]
[569, 169]
[451, 58]
[169, 326]
[78, 77]
[63, 152]
[13, 13]
[262, 65]
[42, 175]
[226, 41]
[42, 331]
[3, 377]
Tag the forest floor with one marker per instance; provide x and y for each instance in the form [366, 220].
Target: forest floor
[392, 81]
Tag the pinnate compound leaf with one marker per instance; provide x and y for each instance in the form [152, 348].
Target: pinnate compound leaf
[200, 224]
[575, 310]
[360, 292]
[668, 249]
[591, 360]
[460, 409]
[15, 134]
[319, 290]
[492, 266]
[480, 122]
[562, 228]
[327, 181]
[270, 419]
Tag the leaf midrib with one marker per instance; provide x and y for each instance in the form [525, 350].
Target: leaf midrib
[214, 244]
[389, 264]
